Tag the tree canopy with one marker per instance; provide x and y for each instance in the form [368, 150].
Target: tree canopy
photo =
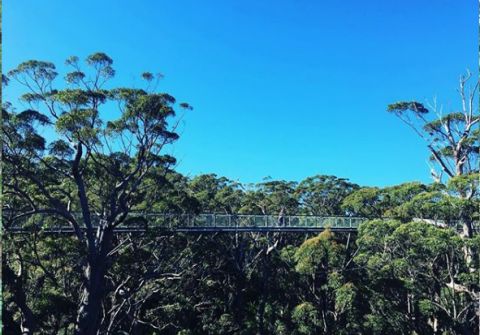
[80, 151]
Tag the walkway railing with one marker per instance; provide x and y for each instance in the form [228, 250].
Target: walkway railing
[141, 222]
[245, 222]
[196, 223]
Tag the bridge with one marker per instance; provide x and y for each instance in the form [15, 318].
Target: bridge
[202, 223]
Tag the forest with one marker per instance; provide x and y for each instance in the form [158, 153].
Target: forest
[90, 154]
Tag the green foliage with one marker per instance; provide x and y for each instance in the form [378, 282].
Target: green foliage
[317, 254]
[409, 268]
[396, 275]
[365, 202]
[323, 195]
[405, 106]
[306, 317]
[216, 195]
[36, 69]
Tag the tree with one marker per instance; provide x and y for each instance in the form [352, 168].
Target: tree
[271, 197]
[216, 194]
[104, 143]
[452, 139]
[329, 305]
[169, 192]
[323, 195]
[417, 279]
[40, 283]
[366, 202]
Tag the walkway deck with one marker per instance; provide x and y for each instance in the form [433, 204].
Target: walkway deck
[204, 223]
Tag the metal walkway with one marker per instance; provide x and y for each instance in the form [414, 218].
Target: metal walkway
[201, 223]
[205, 223]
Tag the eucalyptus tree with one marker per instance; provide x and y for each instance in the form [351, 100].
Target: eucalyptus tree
[367, 202]
[329, 298]
[323, 195]
[271, 197]
[451, 138]
[82, 151]
[216, 194]
[168, 191]
[416, 280]
[40, 283]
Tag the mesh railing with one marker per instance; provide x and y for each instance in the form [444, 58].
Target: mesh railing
[247, 221]
[144, 221]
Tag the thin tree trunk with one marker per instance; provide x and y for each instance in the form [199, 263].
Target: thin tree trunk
[263, 296]
[28, 322]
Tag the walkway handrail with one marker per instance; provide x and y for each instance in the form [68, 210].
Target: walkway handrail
[211, 222]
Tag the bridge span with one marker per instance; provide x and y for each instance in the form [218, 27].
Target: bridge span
[202, 223]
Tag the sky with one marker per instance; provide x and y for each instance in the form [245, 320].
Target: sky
[280, 89]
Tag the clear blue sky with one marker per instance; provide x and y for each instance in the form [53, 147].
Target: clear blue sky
[286, 89]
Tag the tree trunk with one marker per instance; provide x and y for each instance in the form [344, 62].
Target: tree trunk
[263, 296]
[467, 228]
[28, 322]
[88, 317]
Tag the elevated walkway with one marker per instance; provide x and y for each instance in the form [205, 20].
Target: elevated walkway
[207, 223]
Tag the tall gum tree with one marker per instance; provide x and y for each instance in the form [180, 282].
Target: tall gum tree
[93, 132]
[452, 139]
